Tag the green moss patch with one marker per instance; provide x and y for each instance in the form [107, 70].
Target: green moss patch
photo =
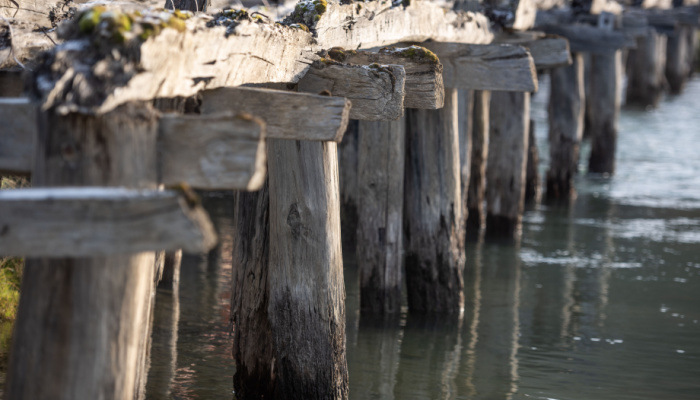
[306, 13]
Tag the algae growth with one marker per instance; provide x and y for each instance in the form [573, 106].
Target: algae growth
[306, 13]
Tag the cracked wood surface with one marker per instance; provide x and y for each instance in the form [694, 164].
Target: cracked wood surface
[287, 115]
[486, 67]
[376, 92]
[218, 151]
[424, 87]
[17, 135]
[82, 222]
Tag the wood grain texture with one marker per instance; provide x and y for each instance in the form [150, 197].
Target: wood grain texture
[604, 110]
[486, 67]
[82, 327]
[547, 51]
[646, 65]
[376, 92]
[75, 222]
[476, 217]
[216, 151]
[433, 222]
[17, 135]
[287, 115]
[505, 171]
[423, 87]
[567, 102]
[590, 39]
[307, 292]
[380, 215]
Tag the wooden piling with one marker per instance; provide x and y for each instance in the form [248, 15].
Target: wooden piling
[433, 223]
[532, 172]
[476, 213]
[678, 68]
[507, 161]
[348, 169]
[606, 78]
[82, 325]
[380, 215]
[307, 292]
[645, 70]
[465, 115]
[567, 102]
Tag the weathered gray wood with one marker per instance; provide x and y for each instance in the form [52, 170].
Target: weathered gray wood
[434, 226]
[590, 39]
[677, 53]
[486, 67]
[287, 115]
[253, 347]
[26, 40]
[376, 91]
[77, 222]
[307, 292]
[476, 217]
[423, 87]
[567, 103]
[465, 115]
[380, 215]
[547, 51]
[505, 171]
[604, 110]
[217, 151]
[102, 304]
[645, 70]
[348, 170]
[175, 63]
[532, 172]
[17, 135]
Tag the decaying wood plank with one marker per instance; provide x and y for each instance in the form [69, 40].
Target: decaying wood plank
[376, 91]
[548, 51]
[486, 67]
[87, 222]
[590, 39]
[424, 88]
[217, 151]
[179, 63]
[17, 135]
[287, 115]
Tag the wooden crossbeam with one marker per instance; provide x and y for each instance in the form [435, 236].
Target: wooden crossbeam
[218, 151]
[98, 221]
[376, 91]
[499, 67]
[424, 87]
[287, 115]
[17, 135]
[548, 51]
[590, 39]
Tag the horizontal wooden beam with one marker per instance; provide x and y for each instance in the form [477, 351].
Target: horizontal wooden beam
[376, 91]
[287, 115]
[548, 51]
[498, 67]
[95, 221]
[217, 151]
[590, 39]
[424, 88]
[17, 135]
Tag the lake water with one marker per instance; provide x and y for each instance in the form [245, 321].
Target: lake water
[600, 300]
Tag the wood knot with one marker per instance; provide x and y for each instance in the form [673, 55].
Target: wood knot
[325, 92]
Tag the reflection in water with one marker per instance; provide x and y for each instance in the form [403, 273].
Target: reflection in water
[599, 302]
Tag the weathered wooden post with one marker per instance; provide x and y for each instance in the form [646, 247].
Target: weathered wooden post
[476, 218]
[678, 69]
[506, 166]
[465, 115]
[347, 164]
[567, 101]
[645, 70]
[606, 78]
[532, 172]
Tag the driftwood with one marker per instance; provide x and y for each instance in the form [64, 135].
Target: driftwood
[88, 222]
[476, 217]
[508, 143]
[486, 67]
[604, 110]
[376, 91]
[217, 151]
[424, 88]
[287, 115]
[17, 135]
[547, 51]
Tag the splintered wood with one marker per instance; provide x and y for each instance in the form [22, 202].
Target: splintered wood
[80, 222]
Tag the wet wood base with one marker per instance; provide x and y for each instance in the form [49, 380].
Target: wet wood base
[434, 233]
[606, 76]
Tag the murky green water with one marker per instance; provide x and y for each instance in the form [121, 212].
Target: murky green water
[599, 301]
